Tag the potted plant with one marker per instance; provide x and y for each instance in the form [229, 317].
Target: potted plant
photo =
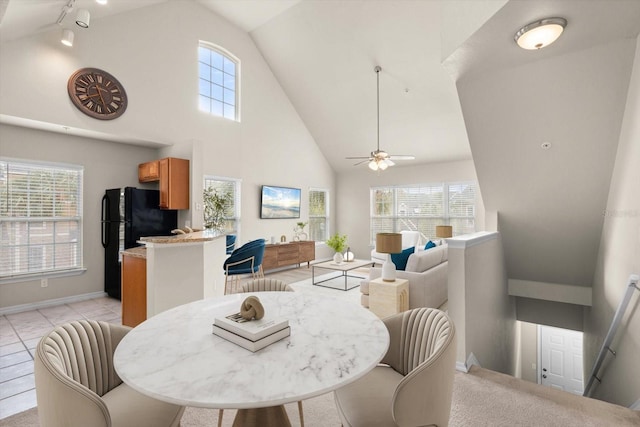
[337, 242]
[215, 207]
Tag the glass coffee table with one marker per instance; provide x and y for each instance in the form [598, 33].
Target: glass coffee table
[343, 268]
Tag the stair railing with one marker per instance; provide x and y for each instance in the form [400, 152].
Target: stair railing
[606, 345]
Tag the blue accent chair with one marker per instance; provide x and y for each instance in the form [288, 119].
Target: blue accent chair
[231, 243]
[247, 259]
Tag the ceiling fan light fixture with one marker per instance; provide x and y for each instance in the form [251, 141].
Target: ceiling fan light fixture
[379, 159]
[539, 34]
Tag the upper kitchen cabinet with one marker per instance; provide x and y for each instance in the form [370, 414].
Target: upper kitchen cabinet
[149, 171]
[173, 175]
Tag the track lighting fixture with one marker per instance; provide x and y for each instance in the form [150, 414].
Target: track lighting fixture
[67, 37]
[83, 17]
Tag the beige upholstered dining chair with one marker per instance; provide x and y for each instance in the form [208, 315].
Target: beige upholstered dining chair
[413, 384]
[266, 285]
[77, 386]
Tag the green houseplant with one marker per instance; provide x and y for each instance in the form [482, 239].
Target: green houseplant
[215, 206]
[337, 242]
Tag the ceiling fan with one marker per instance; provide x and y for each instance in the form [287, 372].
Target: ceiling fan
[379, 159]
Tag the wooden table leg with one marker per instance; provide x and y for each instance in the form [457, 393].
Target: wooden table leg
[272, 416]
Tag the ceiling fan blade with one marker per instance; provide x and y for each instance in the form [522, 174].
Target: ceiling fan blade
[401, 157]
[356, 158]
[361, 162]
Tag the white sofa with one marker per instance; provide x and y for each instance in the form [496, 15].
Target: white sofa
[409, 239]
[426, 272]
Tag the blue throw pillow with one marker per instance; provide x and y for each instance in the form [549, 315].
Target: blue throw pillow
[400, 260]
[430, 245]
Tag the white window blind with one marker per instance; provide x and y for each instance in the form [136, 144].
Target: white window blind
[231, 186]
[40, 217]
[218, 74]
[318, 214]
[421, 207]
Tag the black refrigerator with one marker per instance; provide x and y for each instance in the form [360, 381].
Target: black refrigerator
[127, 215]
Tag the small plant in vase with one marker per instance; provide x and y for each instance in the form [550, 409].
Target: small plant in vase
[337, 242]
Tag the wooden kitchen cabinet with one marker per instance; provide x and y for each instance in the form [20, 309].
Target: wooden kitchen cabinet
[134, 290]
[148, 172]
[284, 254]
[174, 183]
[173, 175]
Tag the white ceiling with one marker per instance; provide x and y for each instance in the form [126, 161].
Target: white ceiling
[323, 53]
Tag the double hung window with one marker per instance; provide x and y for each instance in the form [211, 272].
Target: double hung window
[423, 206]
[230, 186]
[40, 218]
[318, 214]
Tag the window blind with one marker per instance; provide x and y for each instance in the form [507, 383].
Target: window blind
[40, 217]
[421, 207]
[318, 214]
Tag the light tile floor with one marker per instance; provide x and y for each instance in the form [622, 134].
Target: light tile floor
[19, 335]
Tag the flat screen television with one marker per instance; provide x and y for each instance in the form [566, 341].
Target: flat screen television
[279, 202]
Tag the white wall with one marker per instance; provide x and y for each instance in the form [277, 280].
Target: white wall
[618, 257]
[352, 196]
[479, 304]
[106, 165]
[153, 52]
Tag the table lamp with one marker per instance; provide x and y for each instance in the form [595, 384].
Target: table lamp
[388, 243]
[444, 231]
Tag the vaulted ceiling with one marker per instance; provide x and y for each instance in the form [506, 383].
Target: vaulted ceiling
[323, 54]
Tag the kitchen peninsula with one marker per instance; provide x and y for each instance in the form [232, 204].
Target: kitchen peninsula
[170, 271]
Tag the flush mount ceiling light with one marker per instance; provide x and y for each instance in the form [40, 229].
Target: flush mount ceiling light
[67, 37]
[83, 17]
[539, 34]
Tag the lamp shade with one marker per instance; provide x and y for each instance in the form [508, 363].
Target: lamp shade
[389, 243]
[443, 231]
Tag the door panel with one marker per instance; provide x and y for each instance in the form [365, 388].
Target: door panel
[561, 359]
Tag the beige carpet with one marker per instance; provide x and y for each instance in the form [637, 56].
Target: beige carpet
[480, 398]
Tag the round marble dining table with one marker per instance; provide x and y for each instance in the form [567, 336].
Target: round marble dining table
[175, 357]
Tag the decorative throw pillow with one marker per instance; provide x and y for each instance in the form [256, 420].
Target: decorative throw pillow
[400, 259]
[430, 245]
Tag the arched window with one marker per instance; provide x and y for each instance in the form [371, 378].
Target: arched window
[219, 75]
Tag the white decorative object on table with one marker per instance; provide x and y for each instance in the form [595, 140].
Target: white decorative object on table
[389, 243]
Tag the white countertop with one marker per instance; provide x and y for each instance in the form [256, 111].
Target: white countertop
[175, 357]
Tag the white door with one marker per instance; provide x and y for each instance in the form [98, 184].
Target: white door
[561, 359]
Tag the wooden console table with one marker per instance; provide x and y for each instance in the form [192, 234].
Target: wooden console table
[284, 254]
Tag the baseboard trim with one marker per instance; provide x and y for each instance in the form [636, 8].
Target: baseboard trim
[48, 303]
[471, 360]
[462, 367]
